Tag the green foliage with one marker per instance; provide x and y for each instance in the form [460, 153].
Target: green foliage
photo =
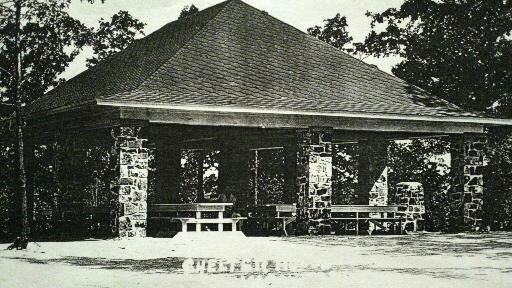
[498, 180]
[7, 192]
[69, 175]
[50, 40]
[188, 11]
[270, 177]
[345, 173]
[421, 160]
[334, 32]
[114, 36]
[458, 50]
[189, 181]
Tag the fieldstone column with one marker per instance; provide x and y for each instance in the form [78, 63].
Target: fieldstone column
[466, 192]
[314, 172]
[411, 195]
[130, 171]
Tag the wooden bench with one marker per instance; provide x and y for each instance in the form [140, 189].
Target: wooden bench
[357, 213]
[174, 212]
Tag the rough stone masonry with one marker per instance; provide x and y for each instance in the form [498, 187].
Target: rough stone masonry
[473, 181]
[466, 192]
[411, 195]
[314, 173]
[130, 162]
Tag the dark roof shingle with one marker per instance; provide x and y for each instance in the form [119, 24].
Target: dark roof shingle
[233, 55]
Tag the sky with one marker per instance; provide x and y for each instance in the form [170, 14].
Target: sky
[301, 14]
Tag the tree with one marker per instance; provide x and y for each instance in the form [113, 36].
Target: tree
[114, 36]
[51, 39]
[188, 11]
[459, 50]
[498, 181]
[421, 160]
[38, 41]
[334, 32]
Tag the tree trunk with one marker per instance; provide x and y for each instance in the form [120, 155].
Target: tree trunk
[22, 180]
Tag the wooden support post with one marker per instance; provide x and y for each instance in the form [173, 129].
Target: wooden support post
[221, 225]
[357, 223]
[200, 174]
[256, 162]
[198, 225]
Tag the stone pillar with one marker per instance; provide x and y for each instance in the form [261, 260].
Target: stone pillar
[314, 172]
[411, 195]
[466, 192]
[130, 172]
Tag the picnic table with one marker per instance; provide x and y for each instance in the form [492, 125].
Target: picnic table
[367, 213]
[199, 214]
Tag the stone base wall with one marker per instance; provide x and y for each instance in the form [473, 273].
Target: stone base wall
[411, 194]
[314, 173]
[130, 186]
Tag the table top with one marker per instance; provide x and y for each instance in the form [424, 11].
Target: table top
[277, 207]
[366, 208]
[194, 207]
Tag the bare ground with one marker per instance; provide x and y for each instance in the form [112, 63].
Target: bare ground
[227, 260]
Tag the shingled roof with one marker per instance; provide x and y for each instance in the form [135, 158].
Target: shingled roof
[234, 56]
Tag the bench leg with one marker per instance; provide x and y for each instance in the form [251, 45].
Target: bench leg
[183, 226]
[198, 225]
[357, 223]
[221, 227]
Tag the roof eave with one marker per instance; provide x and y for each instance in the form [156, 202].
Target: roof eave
[360, 115]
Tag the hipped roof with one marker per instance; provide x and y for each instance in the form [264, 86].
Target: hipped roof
[234, 57]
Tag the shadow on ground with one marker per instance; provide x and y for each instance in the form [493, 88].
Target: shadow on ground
[492, 246]
[428, 244]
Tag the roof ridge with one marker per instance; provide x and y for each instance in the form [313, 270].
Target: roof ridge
[192, 37]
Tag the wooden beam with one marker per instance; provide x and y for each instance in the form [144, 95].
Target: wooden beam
[88, 118]
[235, 119]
